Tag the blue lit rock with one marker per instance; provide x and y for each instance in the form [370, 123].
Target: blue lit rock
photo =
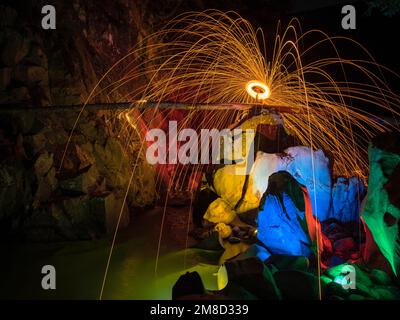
[347, 195]
[282, 226]
[311, 169]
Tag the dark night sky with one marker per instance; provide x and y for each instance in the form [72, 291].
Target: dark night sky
[376, 32]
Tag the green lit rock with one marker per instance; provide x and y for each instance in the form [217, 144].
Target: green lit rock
[325, 280]
[364, 289]
[335, 289]
[380, 277]
[361, 274]
[385, 293]
[380, 214]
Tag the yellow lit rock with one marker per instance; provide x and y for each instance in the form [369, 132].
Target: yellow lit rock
[219, 211]
[222, 279]
[251, 199]
[229, 185]
[223, 230]
[232, 250]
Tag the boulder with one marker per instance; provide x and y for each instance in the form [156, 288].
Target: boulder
[380, 277]
[347, 194]
[312, 169]
[362, 276]
[188, 284]
[223, 230]
[264, 166]
[220, 211]
[233, 250]
[295, 160]
[282, 225]
[228, 185]
[43, 164]
[381, 214]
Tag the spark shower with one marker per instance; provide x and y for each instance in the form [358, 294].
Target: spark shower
[214, 57]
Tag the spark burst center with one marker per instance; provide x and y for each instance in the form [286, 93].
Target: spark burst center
[258, 90]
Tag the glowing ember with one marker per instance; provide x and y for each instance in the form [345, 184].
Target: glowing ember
[258, 90]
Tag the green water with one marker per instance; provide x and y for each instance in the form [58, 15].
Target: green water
[80, 266]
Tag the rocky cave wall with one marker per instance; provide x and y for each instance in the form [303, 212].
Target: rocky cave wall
[82, 199]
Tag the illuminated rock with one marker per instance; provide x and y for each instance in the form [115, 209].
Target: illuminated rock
[220, 211]
[228, 185]
[232, 250]
[380, 214]
[282, 225]
[312, 170]
[347, 195]
[264, 165]
[223, 230]
[309, 168]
